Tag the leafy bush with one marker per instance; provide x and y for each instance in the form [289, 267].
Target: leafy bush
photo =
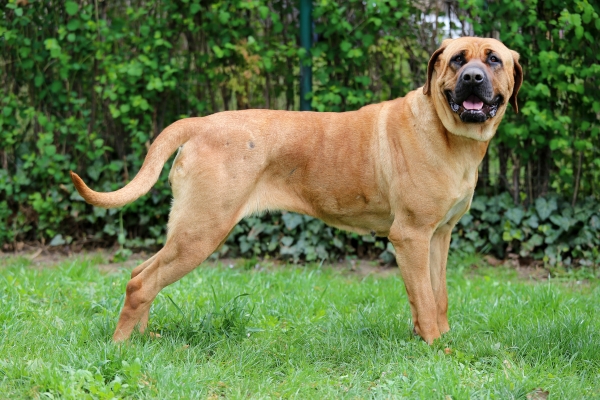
[550, 230]
[553, 144]
[293, 236]
[87, 85]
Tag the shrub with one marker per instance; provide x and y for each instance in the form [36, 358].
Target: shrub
[87, 85]
[551, 229]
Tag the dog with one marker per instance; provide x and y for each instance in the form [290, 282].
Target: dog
[404, 168]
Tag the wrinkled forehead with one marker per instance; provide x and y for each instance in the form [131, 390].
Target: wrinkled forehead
[476, 47]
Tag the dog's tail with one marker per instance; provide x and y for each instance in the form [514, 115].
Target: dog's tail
[165, 144]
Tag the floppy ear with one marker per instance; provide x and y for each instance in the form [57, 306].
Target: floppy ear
[518, 71]
[431, 66]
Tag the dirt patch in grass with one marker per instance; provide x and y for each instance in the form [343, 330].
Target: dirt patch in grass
[364, 268]
[47, 257]
[530, 270]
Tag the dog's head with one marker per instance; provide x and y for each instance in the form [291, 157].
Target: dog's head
[471, 81]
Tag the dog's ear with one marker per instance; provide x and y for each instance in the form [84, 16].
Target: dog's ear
[431, 66]
[518, 71]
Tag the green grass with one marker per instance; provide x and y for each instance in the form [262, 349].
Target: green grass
[295, 332]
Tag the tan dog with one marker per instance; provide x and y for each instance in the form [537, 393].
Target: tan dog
[405, 169]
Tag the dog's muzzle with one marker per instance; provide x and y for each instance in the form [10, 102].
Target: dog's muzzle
[474, 109]
[473, 97]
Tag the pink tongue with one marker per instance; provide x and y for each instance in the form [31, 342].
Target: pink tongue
[473, 103]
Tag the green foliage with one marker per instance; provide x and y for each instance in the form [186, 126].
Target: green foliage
[554, 143]
[87, 86]
[295, 236]
[225, 321]
[550, 230]
[357, 38]
[86, 384]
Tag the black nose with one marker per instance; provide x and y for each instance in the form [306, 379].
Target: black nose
[472, 76]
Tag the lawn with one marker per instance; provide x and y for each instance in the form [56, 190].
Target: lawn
[313, 331]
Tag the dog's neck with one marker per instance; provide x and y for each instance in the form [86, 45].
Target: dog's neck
[469, 151]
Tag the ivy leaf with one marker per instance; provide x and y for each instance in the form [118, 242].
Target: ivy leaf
[478, 203]
[595, 222]
[545, 207]
[533, 221]
[57, 240]
[515, 215]
[466, 219]
[287, 240]
[291, 220]
[563, 221]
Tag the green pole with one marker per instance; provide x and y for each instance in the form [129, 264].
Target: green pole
[306, 62]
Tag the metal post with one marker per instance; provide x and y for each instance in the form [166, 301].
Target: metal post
[306, 62]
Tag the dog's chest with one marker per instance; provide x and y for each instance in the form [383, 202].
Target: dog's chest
[458, 208]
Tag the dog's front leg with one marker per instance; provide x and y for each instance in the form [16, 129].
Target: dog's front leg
[440, 242]
[412, 254]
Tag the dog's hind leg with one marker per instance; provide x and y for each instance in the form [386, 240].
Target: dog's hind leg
[136, 271]
[188, 245]
[208, 202]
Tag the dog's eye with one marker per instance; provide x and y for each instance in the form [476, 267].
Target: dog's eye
[494, 59]
[459, 59]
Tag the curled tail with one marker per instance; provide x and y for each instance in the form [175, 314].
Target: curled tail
[165, 144]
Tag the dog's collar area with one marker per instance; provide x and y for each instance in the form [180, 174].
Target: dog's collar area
[474, 109]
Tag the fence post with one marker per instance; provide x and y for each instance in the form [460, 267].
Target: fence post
[306, 61]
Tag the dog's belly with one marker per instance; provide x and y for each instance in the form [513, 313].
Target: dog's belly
[364, 224]
[351, 211]
[359, 212]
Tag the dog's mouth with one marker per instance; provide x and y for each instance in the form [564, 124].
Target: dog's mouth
[473, 108]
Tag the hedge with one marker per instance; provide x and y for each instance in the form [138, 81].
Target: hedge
[88, 85]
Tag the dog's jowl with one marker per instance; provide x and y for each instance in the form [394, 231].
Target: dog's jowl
[404, 168]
